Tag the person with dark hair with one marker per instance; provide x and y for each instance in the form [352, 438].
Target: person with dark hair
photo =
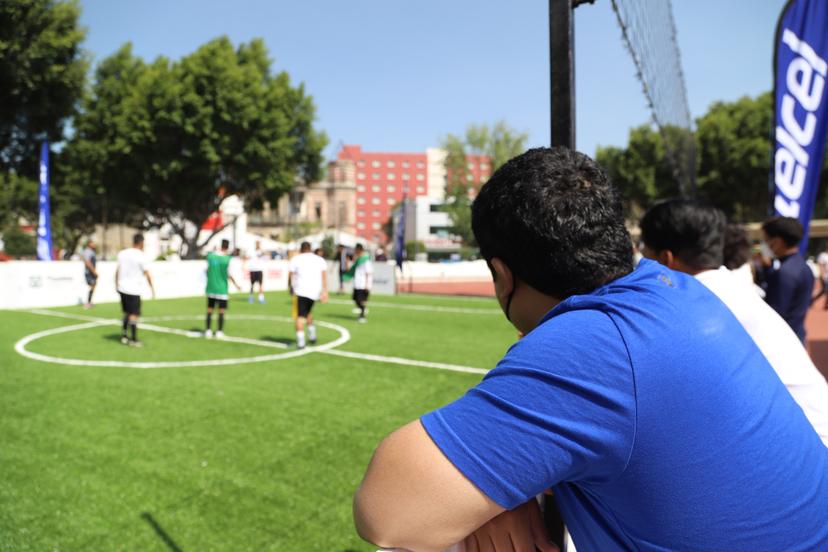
[789, 282]
[689, 236]
[635, 395]
[218, 265]
[341, 258]
[129, 281]
[362, 273]
[308, 283]
[822, 262]
[90, 270]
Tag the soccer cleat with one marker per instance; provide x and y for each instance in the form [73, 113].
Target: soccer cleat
[362, 320]
[262, 300]
[250, 299]
[300, 347]
[219, 334]
[208, 333]
[124, 340]
[136, 343]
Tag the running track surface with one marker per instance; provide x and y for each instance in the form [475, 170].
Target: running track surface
[816, 323]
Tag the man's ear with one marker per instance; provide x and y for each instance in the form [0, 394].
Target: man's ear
[502, 274]
[666, 258]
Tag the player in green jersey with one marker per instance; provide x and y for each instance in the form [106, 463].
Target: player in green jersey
[217, 277]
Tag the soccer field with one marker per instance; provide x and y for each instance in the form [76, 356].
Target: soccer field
[202, 444]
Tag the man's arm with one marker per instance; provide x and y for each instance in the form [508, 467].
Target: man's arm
[413, 497]
[149, 280]
[324, 296]
[90, 267]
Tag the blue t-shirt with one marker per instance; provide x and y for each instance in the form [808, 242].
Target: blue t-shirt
[655, 419]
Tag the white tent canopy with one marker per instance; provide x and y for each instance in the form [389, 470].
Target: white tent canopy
[346, 239]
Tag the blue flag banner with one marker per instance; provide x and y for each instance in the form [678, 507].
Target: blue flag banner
[399, 236]
[44, 220]
[801, 106]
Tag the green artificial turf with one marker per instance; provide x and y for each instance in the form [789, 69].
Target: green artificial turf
[256, 456]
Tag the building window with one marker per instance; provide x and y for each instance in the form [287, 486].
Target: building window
[405, 164]
[420, 176]
[420, 190]
[437, 208]
[390, 164]
[375, 164]
[406, 176]
[375, 213]
[470, 166]
[470, 177]
[376, 237]
[361, 163]
[392, 188]
[360, 213]
[375, 188]
[361, 200]
[361, 176]
[376, 226]
[390, 176]
[375, 201]
[361, 225]
[420, 165]
[360, 188]
[441, 231]
[391, 201]
[375, 176]
[484, 166]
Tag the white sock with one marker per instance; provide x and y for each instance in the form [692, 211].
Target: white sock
[261, 297]
[300, 339]
[312, 332]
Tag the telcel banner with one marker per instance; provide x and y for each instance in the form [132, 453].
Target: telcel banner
[44, 221]
[801, 101]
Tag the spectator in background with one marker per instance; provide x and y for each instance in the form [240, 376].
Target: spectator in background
[90, 263]
[789, 282]
[362, 273]
[319, 252]
[822, 261]
[341, 259]
[691, 237]
[381, 256]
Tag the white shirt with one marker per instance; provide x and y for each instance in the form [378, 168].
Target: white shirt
[131, 267]
[822, 260]
[362, 275]
[256, 260]
[306, 271]
[778, 343]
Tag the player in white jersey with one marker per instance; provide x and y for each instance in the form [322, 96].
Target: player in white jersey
[255, 264]
[308, 283]
[129, 281]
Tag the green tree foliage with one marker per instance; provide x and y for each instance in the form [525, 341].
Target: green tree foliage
[42, 72]
[500, 143]
[175, 138]
[18, 243]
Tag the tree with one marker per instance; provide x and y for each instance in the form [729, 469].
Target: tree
[42, 71]
[641, 171]
[734, 156]
[500, 143]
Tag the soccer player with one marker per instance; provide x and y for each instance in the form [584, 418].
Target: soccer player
[217, 277]
[90, 261]
[129, 281]
[342, 265]
[255, 265]
[635, 395]
[362, 273]
[308, 283]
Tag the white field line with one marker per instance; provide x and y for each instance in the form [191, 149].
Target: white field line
[425, 308]
[406, 361]
[327, 348]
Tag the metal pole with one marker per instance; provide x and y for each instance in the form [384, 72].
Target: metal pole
[562, 73]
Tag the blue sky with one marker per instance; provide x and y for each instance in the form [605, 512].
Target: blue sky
[396, 75]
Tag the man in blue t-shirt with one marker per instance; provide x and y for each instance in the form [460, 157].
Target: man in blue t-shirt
[635, 396]
[789, 281]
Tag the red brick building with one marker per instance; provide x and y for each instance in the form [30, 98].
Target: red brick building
[382, 178]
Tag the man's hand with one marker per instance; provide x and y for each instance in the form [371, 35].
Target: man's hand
[324, 297]
[518, 530]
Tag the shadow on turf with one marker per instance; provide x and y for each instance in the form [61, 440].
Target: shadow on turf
[146, 516]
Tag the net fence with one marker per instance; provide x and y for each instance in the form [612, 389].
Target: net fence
[649, 33]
